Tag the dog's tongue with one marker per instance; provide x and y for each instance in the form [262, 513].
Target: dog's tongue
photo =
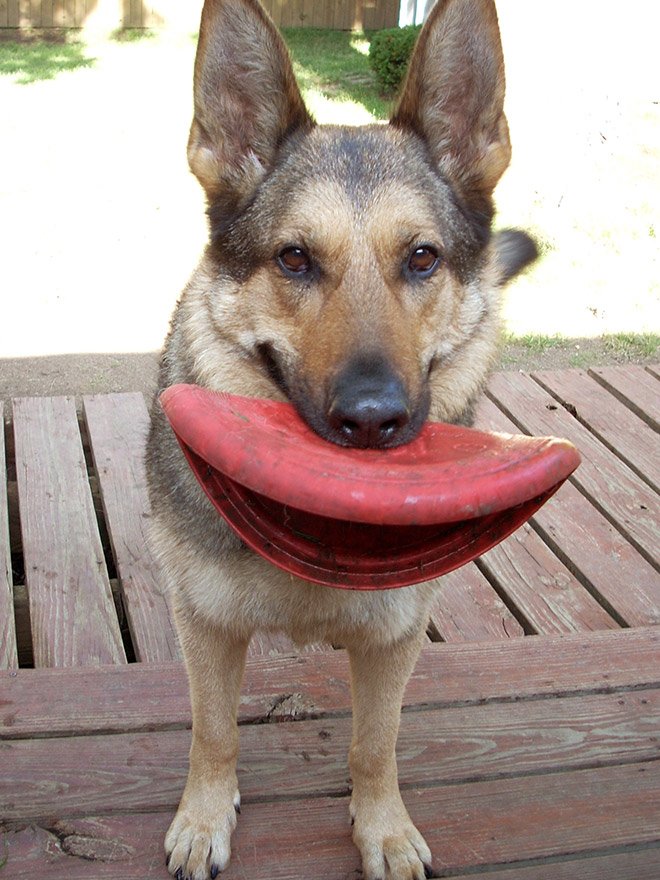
[361, 518]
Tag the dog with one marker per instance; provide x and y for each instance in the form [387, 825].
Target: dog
[352, 272]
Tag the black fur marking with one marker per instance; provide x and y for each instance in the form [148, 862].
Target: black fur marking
[272, 367]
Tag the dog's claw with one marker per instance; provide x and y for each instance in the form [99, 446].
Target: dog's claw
[215, 870]
[428, 872]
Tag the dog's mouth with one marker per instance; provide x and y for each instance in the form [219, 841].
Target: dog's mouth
[366, 406]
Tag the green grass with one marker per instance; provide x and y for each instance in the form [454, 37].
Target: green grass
[35, 61]
[633, 346]
[132, 35]
[565, 351]
[535, 343]
[333, 70]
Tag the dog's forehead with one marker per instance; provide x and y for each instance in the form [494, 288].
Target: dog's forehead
[350, 176]
[360, 159]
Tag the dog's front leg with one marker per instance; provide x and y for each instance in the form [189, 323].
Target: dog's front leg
[197, 843]
[390, 845]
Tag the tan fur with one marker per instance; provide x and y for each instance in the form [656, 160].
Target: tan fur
[359, 203]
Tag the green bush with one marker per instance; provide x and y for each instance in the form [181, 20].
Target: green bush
[389, 53]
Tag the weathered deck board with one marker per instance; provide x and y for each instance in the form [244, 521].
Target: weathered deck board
[615, 425]
[468, 826]
[467, 609]
[590, 546]
[118, 425]
[631, 505]
[146, 771]
[549, 597]
[155, 696]
[629, 865]
[635, 387]
[520, 758]
[73, 617]
[8, 652]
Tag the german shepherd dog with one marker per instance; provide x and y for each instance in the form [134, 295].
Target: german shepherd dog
[352, 272]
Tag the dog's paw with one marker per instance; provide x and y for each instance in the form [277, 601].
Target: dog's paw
[197, 844]
[390, 846]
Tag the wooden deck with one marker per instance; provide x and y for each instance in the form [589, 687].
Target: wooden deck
[530, 735]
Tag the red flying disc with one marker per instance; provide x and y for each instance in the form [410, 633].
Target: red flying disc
[361, 519]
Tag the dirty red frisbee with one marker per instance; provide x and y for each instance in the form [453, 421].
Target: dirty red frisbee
[361, 519]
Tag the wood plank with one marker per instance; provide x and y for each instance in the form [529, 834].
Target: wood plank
[13, 14]
[146, 696]
[468, 609]
[610, 485]
[30, 13]
[549, 598]
[42, 777]
[611, 569]
[8, 651]
[59, 15]
[137, 12]
[70, 13]
[469, 826]
[636, 865]
[71, 607]
[654, 370]
[317, 13]
[81, 12]
[47, 20]
[630, 438]
[635, 387]
[118, 426]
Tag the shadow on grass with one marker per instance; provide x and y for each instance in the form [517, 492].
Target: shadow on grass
[331, 63]
[35, 61]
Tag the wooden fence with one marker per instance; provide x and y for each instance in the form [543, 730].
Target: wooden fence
[338, 14]
[184, 14]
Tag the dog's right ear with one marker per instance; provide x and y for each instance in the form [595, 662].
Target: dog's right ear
[246, 98]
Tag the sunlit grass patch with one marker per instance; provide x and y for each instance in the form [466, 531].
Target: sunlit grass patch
[35, 61]
[633, 346]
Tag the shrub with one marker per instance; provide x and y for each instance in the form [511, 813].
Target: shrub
[389, 53]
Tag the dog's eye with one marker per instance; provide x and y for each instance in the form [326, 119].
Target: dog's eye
[294, 261]
[423, 261]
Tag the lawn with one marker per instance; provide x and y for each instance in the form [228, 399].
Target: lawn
[102, 224]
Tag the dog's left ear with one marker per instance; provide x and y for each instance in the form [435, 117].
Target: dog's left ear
[246, 98]
[453, 97]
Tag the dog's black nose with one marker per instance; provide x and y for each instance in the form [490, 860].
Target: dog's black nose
[369, 406]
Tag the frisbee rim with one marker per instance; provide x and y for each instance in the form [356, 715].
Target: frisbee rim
[365, 486]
